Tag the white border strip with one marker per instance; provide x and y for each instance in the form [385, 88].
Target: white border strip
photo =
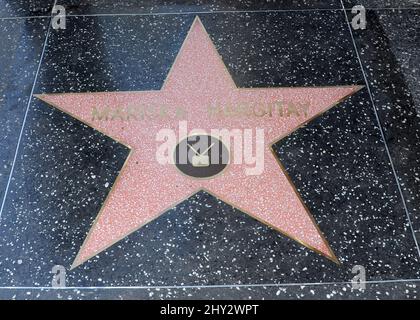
[206, 12]
[26, 115]
[307, 284]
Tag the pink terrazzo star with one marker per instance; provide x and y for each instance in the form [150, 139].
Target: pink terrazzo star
[145, 189]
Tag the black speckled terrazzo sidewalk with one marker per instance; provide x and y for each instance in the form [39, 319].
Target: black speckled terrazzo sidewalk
[356, 166]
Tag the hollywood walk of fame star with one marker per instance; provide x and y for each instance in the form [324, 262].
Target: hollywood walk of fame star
[145, 189]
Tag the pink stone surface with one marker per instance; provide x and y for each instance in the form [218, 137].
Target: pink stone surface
[146, 189]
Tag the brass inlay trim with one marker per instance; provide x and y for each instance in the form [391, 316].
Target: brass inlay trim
[197, 19]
